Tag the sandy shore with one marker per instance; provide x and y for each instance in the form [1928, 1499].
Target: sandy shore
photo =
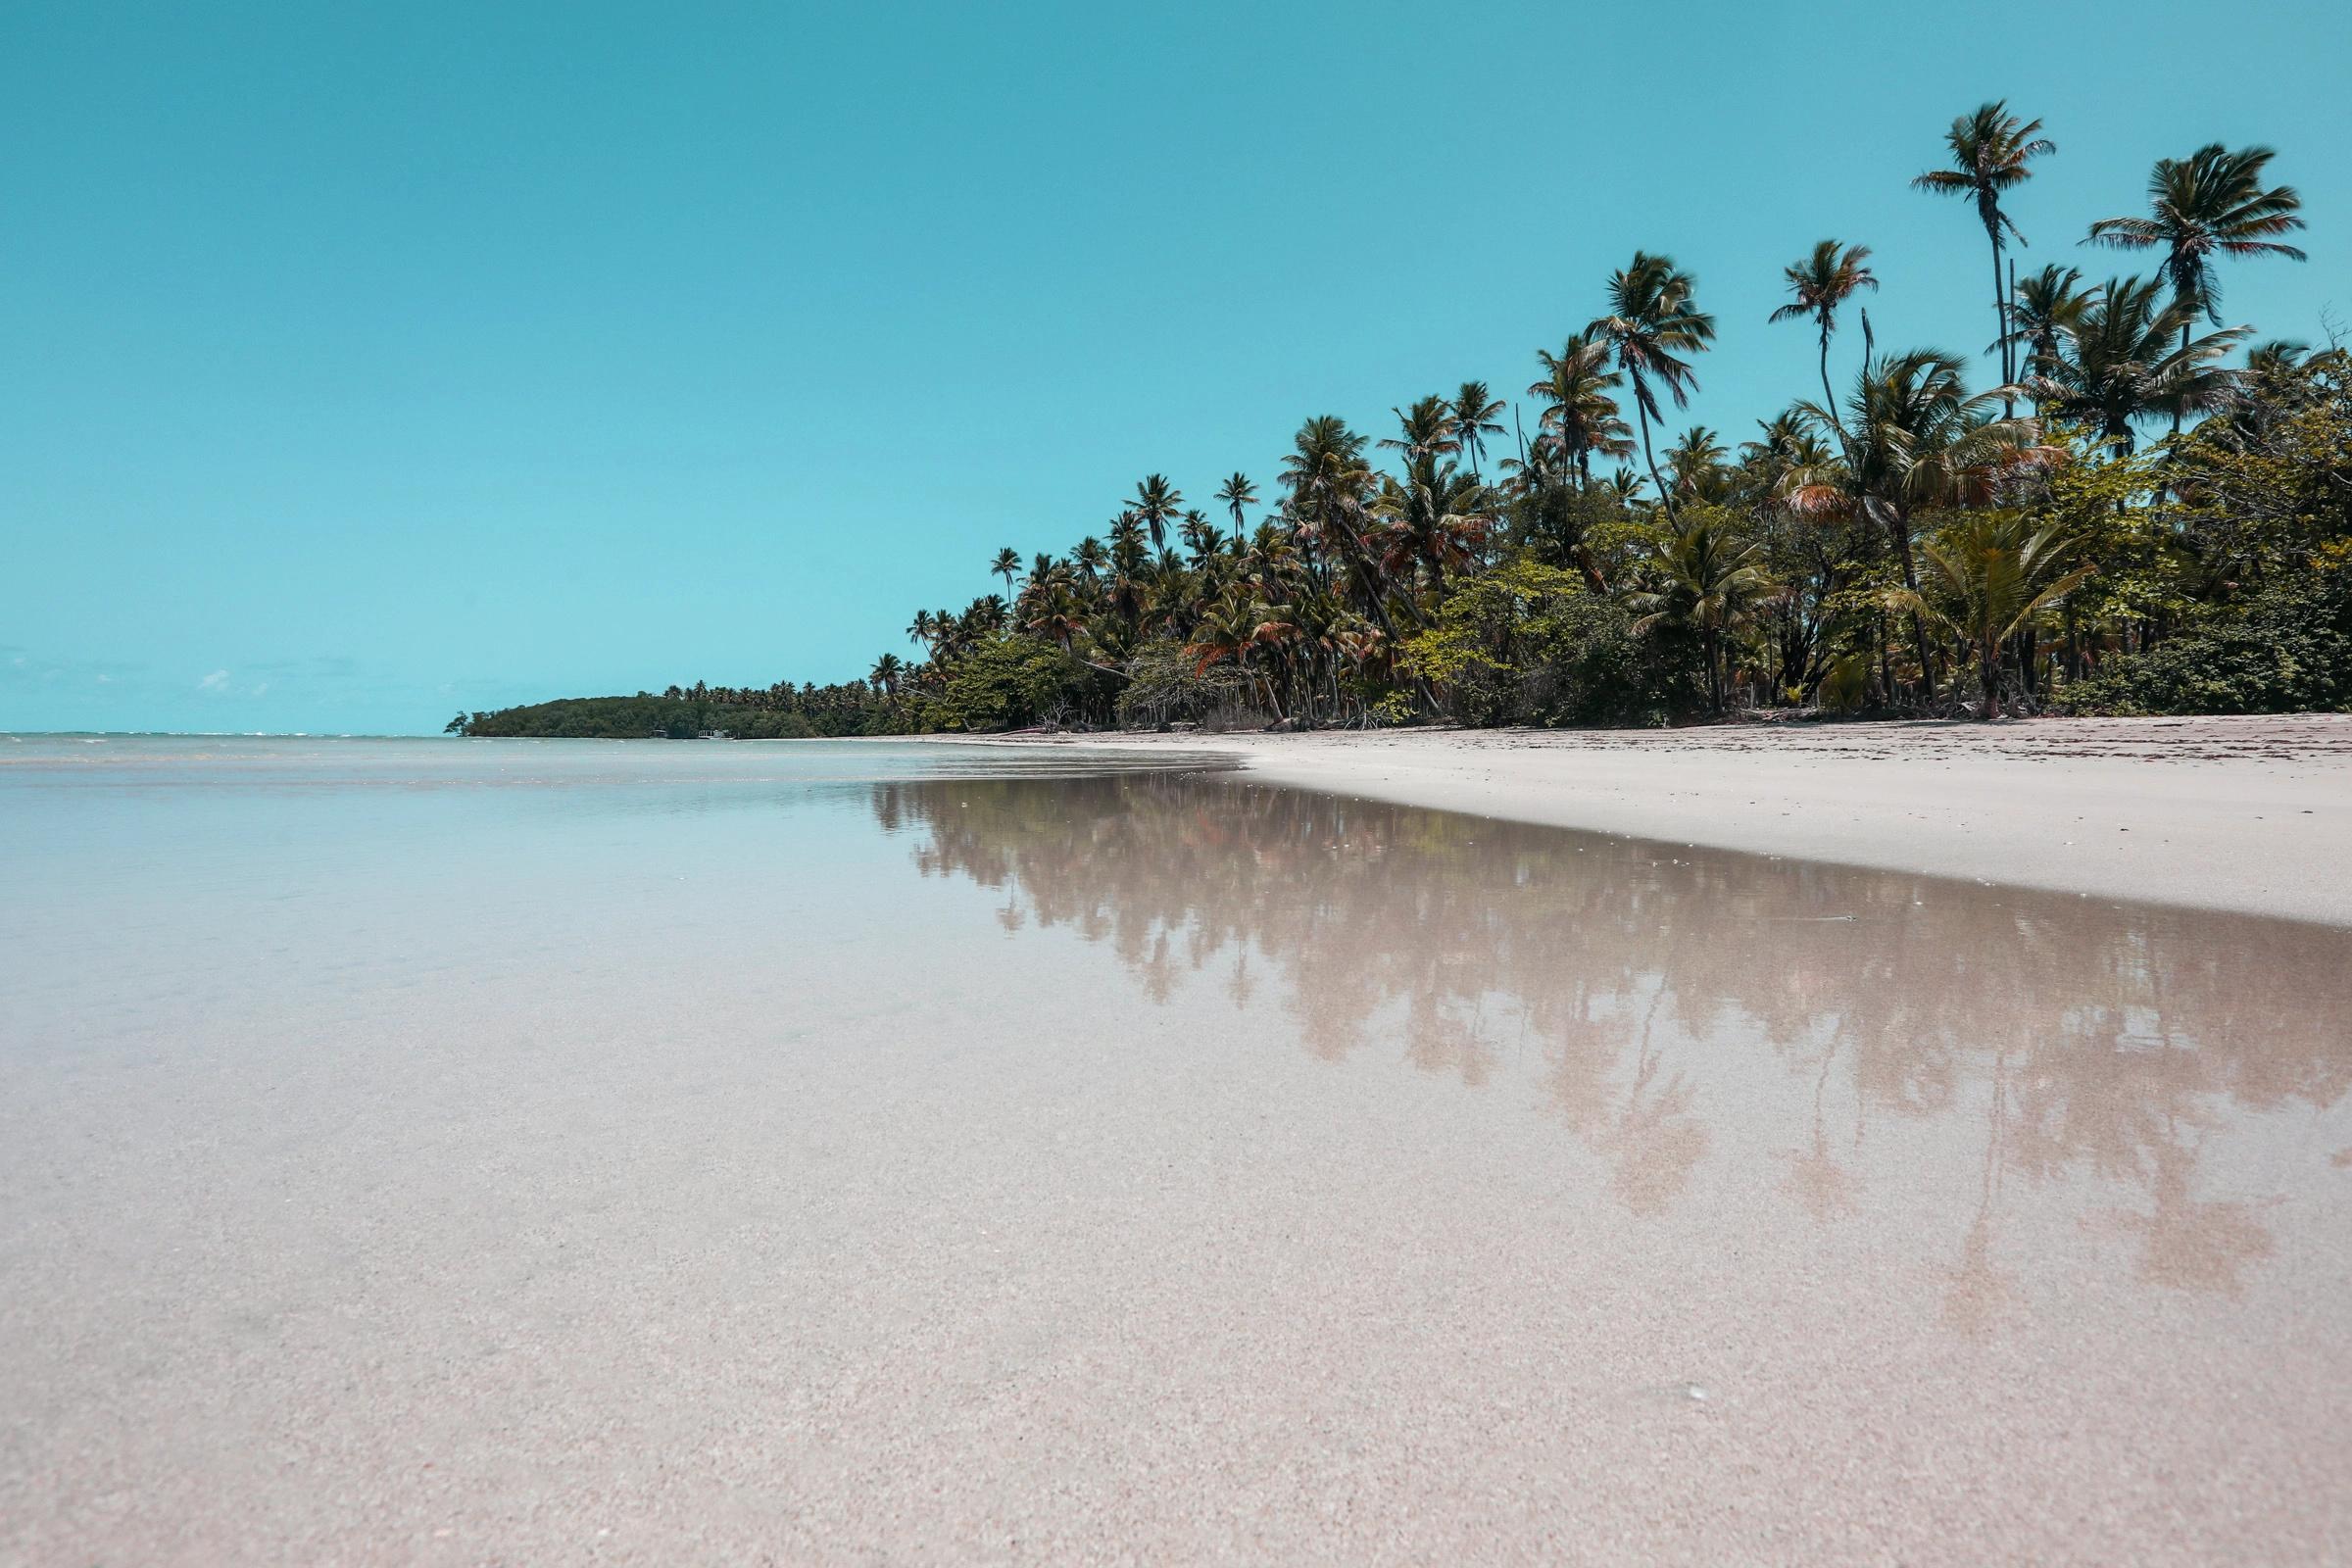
[2251, 814]
[438, 1155]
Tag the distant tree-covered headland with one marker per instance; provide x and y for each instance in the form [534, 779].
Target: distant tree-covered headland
[2146, 509]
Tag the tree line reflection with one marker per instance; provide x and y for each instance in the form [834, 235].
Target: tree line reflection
[2080, 1040]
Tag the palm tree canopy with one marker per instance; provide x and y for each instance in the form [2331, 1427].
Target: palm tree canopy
[1475, 411]
[2133, 359]
[1650, 325]
[2045, 310]
[1991, 572]
[1917, 437]
[1991, 151]
[2205, 206]
[1237, 493]
[1580, 413]
[1824, 280]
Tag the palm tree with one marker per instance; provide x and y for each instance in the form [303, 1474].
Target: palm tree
[1582, 416]
[1328, 480]
[2126, 366]
[923, 629]
[886, 675]
[1915, 438]
[1988, 577]
[1694, 460]
[1007, 566]
[1651, 324]
[1990, 150]
[1237, 492]
[1475, 408]
[2045, 312]
[1428, 430]
[1156, 502]
[2203, 207]
[1818, 285]
[1707, 580]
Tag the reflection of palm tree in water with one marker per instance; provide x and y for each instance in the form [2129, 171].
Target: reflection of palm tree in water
[1977, 1290]
[1823, 1188]
[2190, 1245]
[1650, 1136]
[2110, 1041]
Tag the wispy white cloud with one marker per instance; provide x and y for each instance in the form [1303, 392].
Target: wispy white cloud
[217, 682]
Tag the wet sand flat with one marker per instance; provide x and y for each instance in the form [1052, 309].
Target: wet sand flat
[498, 1152]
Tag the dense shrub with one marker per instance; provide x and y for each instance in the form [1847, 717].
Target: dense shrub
[1531, 643]
[2288, 650]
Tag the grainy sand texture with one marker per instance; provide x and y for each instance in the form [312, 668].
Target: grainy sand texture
[459, 1154]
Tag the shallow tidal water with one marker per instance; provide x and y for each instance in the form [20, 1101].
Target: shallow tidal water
[465, 1153]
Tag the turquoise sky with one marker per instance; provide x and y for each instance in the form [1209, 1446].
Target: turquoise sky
[363, 363]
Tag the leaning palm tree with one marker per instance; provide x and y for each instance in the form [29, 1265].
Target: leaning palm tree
[1475, 408]
[1156, 504]
[1818, 285]
[2203, 207]
[1007, 566]
[2125, 365]
[1989, 575]
[1237, 492]
[1707, 580]
[1990, 150]
[1650, 325]
[1581, 415]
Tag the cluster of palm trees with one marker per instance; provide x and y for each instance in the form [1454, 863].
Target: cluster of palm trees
[1886, 539]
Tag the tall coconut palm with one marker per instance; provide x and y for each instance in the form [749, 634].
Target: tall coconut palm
[1475, 408]
[2045, 310]
[1581, 415]
[1989, 575]
[1990, 150]
[1238, 493]
[1156, 504]
[2206, 206]
[1705, 578]
[1007, 566]
[888, 672]
[1652, 324]
[2125, 364]
[1818, 286]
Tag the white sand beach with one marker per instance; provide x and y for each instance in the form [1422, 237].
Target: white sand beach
[2250, 815]
[465, 1152]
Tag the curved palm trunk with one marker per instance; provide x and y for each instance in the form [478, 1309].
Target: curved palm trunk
[1829, 399]
[1665, 495]
[2000, 311]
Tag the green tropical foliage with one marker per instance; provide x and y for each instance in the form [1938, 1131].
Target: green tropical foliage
[1916, 544]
